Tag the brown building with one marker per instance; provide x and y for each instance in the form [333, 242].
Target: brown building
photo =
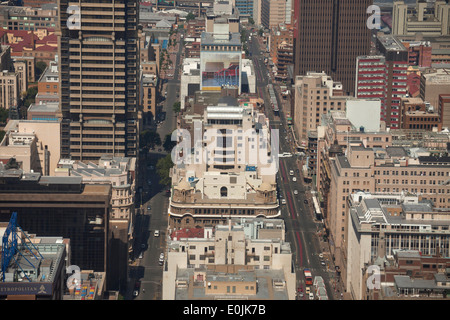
[195, 27]
[331, 34]
[417, 114]
[48, 84]
[192, 49]
[99, 71]
[444, 106]
[434, 82]
[281, 50]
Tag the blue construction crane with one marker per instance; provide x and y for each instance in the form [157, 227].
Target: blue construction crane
[10, 248]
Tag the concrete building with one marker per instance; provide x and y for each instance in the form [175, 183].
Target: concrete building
[120, 173]
[63, 206]
[281, 50]
[381, 226]
[417, 114]
[444, 107]
[48, 83]
[149, 96]
[195, 27]
[230, 175]
[220, 65]
[275, 12]
[335, 135]
[34, 143]
[424, 18]
[384, 76]
[99, 75]
[37, 269]
[92, 286]
[409, 275]
[246, 259]
[222, 12]
[387, 171]
[10, 90]
[220, 59]
[329, 36]
[28, 18]
[43, 111]
[315, 95]
[435, 143]
[434, 82]
[419, 53]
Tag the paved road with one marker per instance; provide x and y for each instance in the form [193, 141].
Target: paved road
[302, 227]
[147, 270]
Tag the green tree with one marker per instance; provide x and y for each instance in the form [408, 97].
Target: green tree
[190, 16]
[168, 144]
[163, 167]
[30, 96]
[3, 115]
[149, 139]
[40, 68]
[176, 107]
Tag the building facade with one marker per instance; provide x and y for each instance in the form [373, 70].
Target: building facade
[99, 81]
[330, 35]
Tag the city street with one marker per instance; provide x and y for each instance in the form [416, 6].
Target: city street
[301, 225]
[146, 270]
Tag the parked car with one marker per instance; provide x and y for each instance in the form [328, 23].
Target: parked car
[294, 179]
[311, 296]
[156, 234]
[283, 201]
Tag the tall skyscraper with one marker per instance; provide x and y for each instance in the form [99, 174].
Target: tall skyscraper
[330, 35]
[384, 77]
[98, 78]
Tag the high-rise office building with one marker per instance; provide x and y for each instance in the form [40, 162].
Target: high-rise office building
[98, 78]
[330, 35]
[384, 77]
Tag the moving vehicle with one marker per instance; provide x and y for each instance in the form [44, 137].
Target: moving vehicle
[295, 192]
[294, 179]
[311, 296]
[156, 234]
[283, 201]
[161, 259]
[308, 290]
[308, 277]
[291, 172]
[149, 207]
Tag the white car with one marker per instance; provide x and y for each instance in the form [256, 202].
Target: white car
[156, 234]
[283, 201]
[291, 172]
[295, 192]
[294, 179]
[135, 293]
[311, 296]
